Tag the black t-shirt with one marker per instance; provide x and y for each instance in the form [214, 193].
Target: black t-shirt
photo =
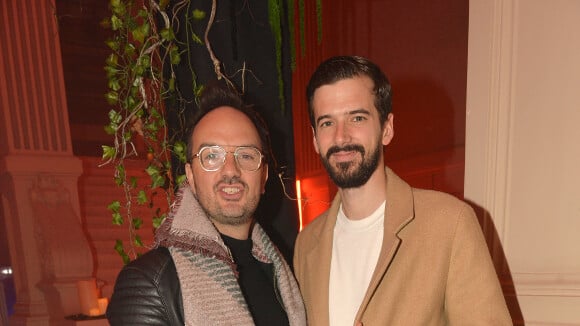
[257, 282]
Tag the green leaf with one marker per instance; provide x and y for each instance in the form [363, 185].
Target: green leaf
[116, 23]
[112, 59]
[154, 113]
[139, 70]
[114, 206]
[110, 130]
[145, 61]
[152, 126]
[180, 179]
[140, 33]
[115, 116]
[137, 223]
[129, 49]
[142, 197]
[143, 13]
[137, 241]
[179, 149]
[167, 34]
[108, 152]
[117, 6]
[119, 174]
[163, 4]
[111, 71]
[158, 220]
[117, 218]
[119, 246]
[133, 182]
[121, 251]
[113, 44]
[174, 54]
[198, 90]
[157, 181]
[127, 136]
[152, 170]
[196, 38]
[112, 97]
[198, 14]
[114, 84]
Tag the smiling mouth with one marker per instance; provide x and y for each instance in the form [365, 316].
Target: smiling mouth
[231, 190]
[344, 155]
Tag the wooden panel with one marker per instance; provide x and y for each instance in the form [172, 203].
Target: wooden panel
[423, 50]
[83, 55]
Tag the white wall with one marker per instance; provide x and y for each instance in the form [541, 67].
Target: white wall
[523, 146]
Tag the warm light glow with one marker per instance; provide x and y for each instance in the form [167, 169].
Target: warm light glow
[8, 270]
[299, 197]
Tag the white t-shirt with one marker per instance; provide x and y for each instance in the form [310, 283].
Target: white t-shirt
[355, 251]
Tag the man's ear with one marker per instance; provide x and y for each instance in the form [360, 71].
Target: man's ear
[189, 176]
[314, 142]
[264, 178]
[388, 129]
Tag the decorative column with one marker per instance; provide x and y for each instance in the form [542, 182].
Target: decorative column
[38, 172]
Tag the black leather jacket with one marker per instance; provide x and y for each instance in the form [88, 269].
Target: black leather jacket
[147, 292]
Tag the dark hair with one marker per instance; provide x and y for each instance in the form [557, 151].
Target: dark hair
[344, 67]
[215, 96]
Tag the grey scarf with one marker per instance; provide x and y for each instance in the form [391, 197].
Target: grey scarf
[207, 275]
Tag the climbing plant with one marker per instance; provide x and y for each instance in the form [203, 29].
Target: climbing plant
[141, 79]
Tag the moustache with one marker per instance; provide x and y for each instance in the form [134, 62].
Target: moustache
[230, 180]
[346, 148]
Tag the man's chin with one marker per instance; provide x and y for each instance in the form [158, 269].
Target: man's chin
[233, 220]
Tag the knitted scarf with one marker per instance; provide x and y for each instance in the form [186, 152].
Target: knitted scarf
[206, 270]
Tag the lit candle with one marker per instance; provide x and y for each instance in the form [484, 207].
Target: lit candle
[103, 302]
[94, 312]
[88, 296]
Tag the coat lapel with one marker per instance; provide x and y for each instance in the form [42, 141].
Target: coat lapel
[398, 213]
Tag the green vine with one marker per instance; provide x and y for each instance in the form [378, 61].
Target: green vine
[143, 42]
[274, 14]
[141, 78]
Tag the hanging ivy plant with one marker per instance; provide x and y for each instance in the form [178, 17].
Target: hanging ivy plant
[141, 77]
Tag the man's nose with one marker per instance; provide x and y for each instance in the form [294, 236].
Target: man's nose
[230, 165]
[342, 133]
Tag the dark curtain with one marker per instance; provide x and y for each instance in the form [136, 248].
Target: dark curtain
[241, 35]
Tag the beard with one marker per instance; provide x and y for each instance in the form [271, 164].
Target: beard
[351, 174]
[239, 215]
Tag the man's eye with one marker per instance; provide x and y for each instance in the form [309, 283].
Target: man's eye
[211, 156]
[358, 118]
[325, 124]
[247, 155]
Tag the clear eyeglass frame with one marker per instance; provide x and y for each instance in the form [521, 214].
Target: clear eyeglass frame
[212, 158]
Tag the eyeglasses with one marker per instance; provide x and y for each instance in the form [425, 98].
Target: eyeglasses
[212, 158]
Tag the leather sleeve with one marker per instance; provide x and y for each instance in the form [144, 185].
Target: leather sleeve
[147, 292]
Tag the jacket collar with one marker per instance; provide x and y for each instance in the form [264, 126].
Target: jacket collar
[398, 214]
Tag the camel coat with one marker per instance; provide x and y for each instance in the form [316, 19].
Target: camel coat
[434, 267]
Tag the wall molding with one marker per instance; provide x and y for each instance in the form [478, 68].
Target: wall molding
[547, 284]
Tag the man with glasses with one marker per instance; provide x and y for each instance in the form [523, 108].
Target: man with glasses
[213, 264]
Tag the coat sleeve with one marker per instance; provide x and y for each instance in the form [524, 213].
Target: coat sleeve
[474, 295]
[146, 293]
